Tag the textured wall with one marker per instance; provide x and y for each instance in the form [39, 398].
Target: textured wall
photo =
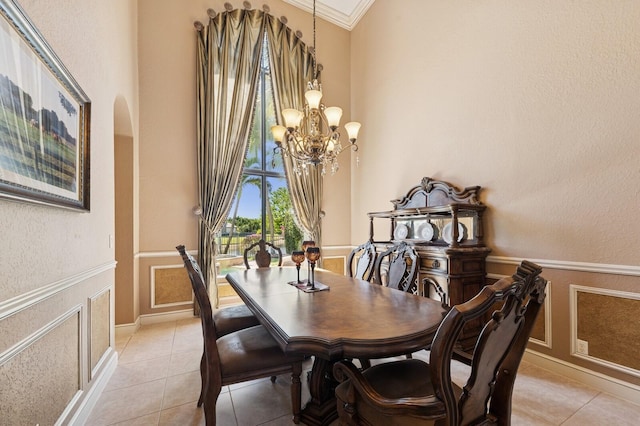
[535, 101]
[55, 261]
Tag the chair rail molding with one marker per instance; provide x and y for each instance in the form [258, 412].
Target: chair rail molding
[603, 268]
[16, 304]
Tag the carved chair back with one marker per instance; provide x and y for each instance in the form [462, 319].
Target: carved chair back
[361, 261]
[397, 267]
[379, 395]
[263, 255]
[498, 350]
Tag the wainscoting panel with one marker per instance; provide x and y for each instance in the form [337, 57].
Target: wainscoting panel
[602, 327]
[23, 382]
[170, 286]
[541, 333]
[99, 321]
[334, 264]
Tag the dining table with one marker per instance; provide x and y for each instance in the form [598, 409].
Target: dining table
[343, 318]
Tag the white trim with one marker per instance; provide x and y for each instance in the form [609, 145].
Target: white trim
[337, 17]
[92, 395]
[573, 304]
[547, 319]
[618, 388]
[153, 288]
[338, 247]
[92, 371]
[16, 304]
[602, 268]
[124, 330]
[547, 314]
[151, 254]
[38, 334]
[166, 316]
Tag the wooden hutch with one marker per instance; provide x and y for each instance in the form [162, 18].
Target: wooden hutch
[444, 225]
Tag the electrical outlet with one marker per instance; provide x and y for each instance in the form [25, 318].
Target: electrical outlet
[582, 347]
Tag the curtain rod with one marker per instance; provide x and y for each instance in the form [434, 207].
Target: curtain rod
[229, 7]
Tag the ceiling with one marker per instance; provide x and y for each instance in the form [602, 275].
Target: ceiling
[344, 13]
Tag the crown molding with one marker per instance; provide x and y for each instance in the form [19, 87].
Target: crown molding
[340, 17]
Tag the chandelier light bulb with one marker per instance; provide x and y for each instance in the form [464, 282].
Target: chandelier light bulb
[353, 128]
[278, 133]
[292, 118]
[333, 115]
[313, 98]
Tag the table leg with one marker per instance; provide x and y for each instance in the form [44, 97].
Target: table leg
[321, 409]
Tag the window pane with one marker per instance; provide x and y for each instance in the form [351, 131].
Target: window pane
[254, 152]
[281, 224]
[274, 161]
[244, 224]
[262, 208]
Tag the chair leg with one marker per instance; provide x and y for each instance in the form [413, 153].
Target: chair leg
[210, 407]
[203, 379]
[273, 379]
[364, 363]
[296, 391]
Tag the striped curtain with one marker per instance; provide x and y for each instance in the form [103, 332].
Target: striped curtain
[228, 63]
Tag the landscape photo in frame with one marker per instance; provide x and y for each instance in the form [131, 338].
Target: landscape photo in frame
[44, 119]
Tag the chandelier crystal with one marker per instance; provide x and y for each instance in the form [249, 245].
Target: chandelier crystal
[311, 137]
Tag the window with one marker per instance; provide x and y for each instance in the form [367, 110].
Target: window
[262, 206]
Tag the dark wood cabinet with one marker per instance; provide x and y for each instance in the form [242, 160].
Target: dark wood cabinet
[445, 226]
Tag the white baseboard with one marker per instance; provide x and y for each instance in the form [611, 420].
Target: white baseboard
[166, 316]
[93, 394]
[599, 381]
[125, 330]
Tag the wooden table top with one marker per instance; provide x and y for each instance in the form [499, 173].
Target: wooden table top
[353, 319]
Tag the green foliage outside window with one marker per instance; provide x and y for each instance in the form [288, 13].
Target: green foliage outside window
[283, 219]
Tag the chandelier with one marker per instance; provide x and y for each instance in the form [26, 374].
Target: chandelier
[311, 137]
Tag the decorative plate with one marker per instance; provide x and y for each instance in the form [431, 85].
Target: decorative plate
[447, 233]
[401, 232]
[426, 231]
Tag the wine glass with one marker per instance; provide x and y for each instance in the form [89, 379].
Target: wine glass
[305, 245]
[298, 257]
[313, 254]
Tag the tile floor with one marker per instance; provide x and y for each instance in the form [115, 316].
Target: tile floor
[157, 382]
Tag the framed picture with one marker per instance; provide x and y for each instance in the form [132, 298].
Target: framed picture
[44, 119]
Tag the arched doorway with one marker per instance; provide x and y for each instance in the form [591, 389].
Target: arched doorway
[125, 187]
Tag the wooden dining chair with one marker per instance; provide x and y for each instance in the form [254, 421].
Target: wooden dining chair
[238, 317]
[263, 255]
[409, 392]
[244, 355]
[397, 267]
[361, 260]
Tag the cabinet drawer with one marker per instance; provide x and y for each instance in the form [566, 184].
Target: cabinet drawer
[433, 264]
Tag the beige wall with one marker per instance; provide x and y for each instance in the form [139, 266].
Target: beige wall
[535, 101]
[56, 263]
[168, 185]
